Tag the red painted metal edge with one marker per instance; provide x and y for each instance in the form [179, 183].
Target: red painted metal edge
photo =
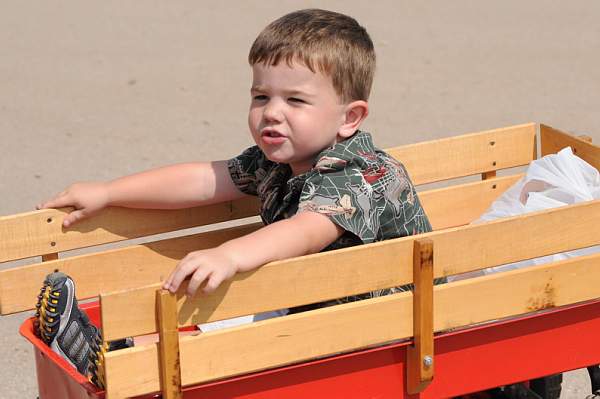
[469, 360]
[56, 377]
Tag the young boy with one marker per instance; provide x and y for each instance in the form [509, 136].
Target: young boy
[322, 183]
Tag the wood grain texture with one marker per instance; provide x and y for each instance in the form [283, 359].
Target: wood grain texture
[554, 140]
[41, 232]
[419, 372]
[110, 270]
[466, 201]
[168, 345]
[140, 265]
[274, 286]
[363, 268]
[294, 338]
[468, 154]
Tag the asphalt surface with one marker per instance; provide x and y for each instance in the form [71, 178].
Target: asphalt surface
[96, 90]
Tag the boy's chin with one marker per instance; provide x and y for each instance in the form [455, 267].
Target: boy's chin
[274, 154]
[273, 157]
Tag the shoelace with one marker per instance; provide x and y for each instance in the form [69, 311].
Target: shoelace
[46, 315]
[96, 365]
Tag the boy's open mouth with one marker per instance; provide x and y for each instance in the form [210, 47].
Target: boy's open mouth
[272, 133]
[272, 137]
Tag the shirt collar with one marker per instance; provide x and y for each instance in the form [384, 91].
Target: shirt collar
[335, 157]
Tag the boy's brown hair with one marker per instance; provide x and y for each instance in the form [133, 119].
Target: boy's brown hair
[332, 42]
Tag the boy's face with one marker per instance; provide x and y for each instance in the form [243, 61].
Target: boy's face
[294, 113]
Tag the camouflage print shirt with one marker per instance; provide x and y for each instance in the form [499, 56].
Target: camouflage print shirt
[359, 187]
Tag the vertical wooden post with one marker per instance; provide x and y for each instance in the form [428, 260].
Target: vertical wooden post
[48, 257]
[488, 175]
[492, 173]
[168, 346]
[52, 255]
[419, 363]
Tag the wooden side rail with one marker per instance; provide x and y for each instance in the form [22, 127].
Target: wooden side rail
[468, 154]
[294, 338]
[554, 140]
[361, 269]
[108, 270]
[466, 201]
[40, 232]
[152, 262]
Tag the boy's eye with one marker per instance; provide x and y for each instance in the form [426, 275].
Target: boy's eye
[296, 100]
[260, 97]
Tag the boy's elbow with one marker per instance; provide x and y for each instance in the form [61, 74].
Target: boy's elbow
[316, 230]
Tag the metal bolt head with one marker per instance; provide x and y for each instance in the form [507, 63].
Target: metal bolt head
[427, 361]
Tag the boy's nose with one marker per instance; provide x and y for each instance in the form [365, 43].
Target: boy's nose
[272, 112]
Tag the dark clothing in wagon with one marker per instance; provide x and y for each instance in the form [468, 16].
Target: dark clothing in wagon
[358, 186]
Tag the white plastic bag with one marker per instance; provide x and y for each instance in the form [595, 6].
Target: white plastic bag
[552, 181]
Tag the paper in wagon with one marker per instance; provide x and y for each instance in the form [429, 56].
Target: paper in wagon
[551, 181]
[238, 321]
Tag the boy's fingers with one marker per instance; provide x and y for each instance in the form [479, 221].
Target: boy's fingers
[213, 282]
[167, 283]
[73, 217]
[56, 202]
[197, 279]
[183, 269]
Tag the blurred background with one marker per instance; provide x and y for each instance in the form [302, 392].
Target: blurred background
[96, 90]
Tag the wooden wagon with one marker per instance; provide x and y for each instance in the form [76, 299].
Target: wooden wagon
[476, 334]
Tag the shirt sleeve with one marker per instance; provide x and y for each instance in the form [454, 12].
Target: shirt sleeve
[371, 208]
[248, 169]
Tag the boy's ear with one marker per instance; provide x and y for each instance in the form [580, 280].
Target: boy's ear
[356, 112]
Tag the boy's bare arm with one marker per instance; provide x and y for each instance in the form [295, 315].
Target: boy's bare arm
[171, 187]
[305, 233]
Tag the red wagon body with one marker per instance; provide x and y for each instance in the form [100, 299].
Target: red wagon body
[468, 360]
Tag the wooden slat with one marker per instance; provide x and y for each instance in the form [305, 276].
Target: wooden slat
[459, 205]
[554, 140]
[468, 154]
[360, 269]
[347, 327]
[419, 357]
[168, 345]
[111, 272]
[320, 277]
[41, 232]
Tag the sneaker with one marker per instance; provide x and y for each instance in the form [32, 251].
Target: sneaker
[96, 358]
[96, 362]
[62, 325]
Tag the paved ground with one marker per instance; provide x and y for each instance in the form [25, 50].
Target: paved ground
[95, 90]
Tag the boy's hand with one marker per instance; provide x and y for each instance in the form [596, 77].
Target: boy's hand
[87, 199]
[304, 233]
[213, 265]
